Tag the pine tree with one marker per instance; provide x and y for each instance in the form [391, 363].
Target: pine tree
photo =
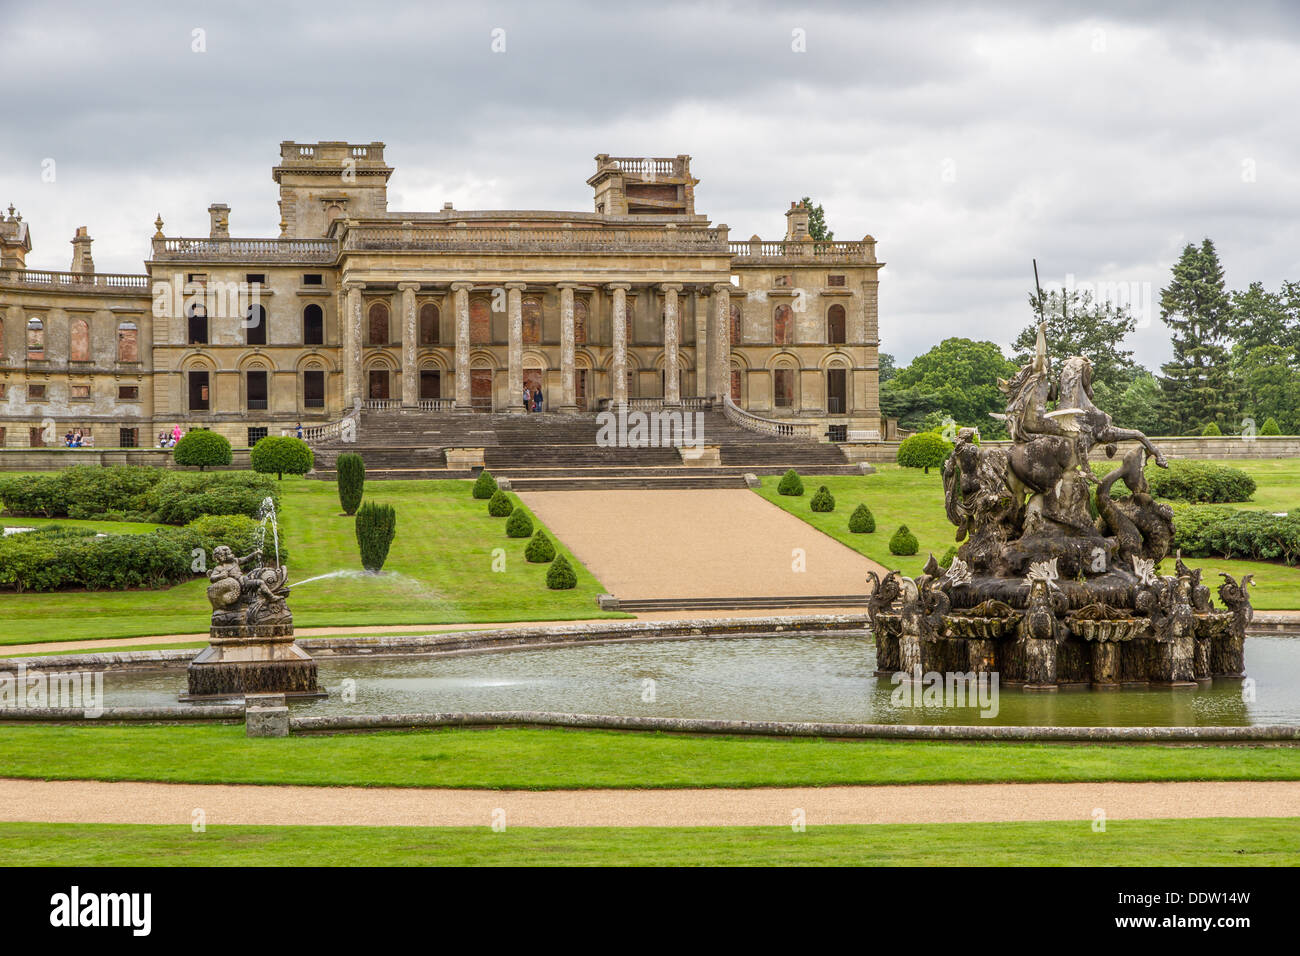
[1197, 383]
[817, 230]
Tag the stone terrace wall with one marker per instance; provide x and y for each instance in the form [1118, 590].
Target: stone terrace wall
[1225, 447]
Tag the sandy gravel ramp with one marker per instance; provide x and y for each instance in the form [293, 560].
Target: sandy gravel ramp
[159, 803]
[697, 543]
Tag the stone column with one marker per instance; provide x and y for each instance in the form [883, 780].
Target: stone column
[672, 372]
[460, 292]
[410, 338]
[515, 328]
[702, 363]
[568, 395]
[618, 368]
[720, 362]
[350, 332]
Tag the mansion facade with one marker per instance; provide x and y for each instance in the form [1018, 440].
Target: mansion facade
[641, 300]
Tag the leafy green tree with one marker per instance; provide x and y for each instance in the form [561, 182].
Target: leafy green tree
[1269, 385]
[888, 368]
[202, 447]
[959, 378]
[280, 455]
[1079, 325]
[1197, 380]
[923, 450]
[1141, 406]
[817, 221]
[1261, 317]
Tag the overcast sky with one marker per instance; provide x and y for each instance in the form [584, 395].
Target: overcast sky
[967, 138]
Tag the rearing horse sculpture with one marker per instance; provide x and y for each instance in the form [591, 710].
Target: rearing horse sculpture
[1095, 426]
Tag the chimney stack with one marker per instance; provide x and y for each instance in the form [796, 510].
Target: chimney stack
[81, 259]
[796, 223]
[219, 214]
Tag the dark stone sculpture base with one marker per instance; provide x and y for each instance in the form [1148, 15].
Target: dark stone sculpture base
[257, 659]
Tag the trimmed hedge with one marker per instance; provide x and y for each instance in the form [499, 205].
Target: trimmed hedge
[862, 521]
[823, 501]
[181, 497]
[500, 504]
[282, 455]
[201, 447]
[560, 576]
[485, 486]
[791, 484]
[1198, 482]
[351, 470]
[376, 528]
[924, 450]
[903, 542]
[540, 550]
[519, 525]
[1206, 532]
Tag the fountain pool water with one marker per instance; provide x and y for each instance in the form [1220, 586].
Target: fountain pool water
[821, 678]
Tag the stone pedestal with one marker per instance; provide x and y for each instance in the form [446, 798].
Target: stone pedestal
[1105, 665]
[266, 715]
[1040, 663]
[252, 659]
[1173, 661]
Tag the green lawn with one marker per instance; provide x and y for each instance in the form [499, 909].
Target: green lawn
[516, 758]
[440, 570]
[909, 496]
[1205, 842]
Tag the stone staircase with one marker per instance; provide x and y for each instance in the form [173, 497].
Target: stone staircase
[559, 452]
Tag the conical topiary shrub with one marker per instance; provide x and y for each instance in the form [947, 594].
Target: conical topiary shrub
[376, 528]
[791, 484]
[560, 575]
[903, 541]
[1270, 427]
[519, 525]
[823, 500]
[485, 486]
[540, 550]
[500, 505]
[862, 521]
[352, 481]
[1212, 430]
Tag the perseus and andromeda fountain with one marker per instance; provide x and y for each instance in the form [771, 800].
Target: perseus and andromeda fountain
[1055, 583]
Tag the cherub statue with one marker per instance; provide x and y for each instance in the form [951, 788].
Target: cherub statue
[226, 587]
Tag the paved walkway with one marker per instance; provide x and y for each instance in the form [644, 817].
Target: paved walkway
[698, 543]
[39, 801]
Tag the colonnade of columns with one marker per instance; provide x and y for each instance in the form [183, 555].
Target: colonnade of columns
[712, 341]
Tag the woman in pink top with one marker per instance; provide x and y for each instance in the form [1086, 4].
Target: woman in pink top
[176, 433]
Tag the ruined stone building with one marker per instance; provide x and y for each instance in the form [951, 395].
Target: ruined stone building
[640, 300]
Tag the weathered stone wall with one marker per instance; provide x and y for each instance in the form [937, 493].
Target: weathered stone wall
[1190, 448]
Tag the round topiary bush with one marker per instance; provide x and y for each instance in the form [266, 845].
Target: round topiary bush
[560, 576]
[791, 484]
[485, 486]
[924, 450]
[499, 505]
[862, 521]
[823, 500]
[1270, 427]
[280, 455]
[519, 525]
[540, 550]
[1211, 430]
[201, 447]
[903, 541]
[376, 528]
[351, 470]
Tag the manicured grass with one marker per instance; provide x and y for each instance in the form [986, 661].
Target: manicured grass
[440, 570]
[1204, 842]
[101, 527]
[909, 496]
[515, 758]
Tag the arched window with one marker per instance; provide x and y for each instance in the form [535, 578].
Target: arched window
[255, 325]
[580, 321]
[198, 325]
[735, 323]
[480, 323]
[313, 325]
[128, 342]
[78, 341]
[378, 324]
[35, 338]
[532, 315]
[783, 387]
[782, 325]
[835, 325]
[429, 317]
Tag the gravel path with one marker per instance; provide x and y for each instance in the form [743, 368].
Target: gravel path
[162, 803]
[698, 543]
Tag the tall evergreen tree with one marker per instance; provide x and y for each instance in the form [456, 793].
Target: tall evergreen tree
[817, 221]
[1197, 381]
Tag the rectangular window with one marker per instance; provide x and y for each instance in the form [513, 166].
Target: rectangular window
[198, 323]
[80, 393]
[256, 391]
[199, 397]
[313, 389]
[128, 393]
[255, 435]
[835, 281]
[312, 278]
[128, 438]
[197, 278]
[255, 277]
[128, 342]
[783, 282]
[35, 393]
[783, 387]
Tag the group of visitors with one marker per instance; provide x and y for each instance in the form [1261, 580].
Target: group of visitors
[532, 399]
[168, 439]
[78, 439]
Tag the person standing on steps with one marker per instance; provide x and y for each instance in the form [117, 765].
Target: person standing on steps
[528, 399]
[537, 399]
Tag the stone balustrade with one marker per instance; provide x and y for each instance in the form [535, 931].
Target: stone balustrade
[438, 237]
[768, 426]
[110, 282]
[754, 251]
[245, 250]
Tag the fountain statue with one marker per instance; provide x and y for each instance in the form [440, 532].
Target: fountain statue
[1042, 591]
[251, 647]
